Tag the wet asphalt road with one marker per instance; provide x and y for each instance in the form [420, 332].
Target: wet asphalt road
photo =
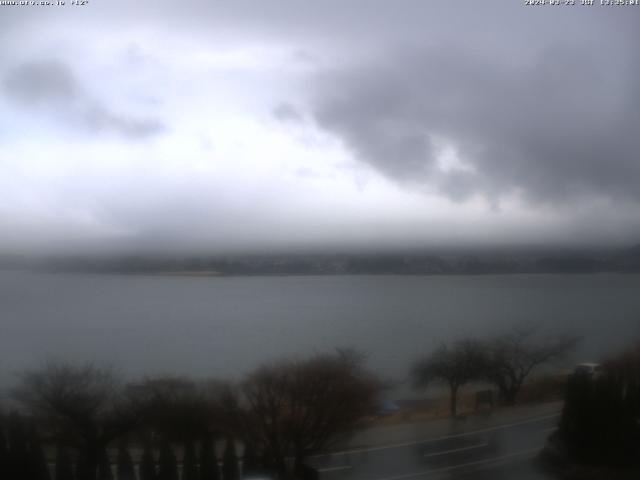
[502, 452]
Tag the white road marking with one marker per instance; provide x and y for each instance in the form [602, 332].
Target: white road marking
[438, 439]
[454, 450]
[333, 469]
[485, 462]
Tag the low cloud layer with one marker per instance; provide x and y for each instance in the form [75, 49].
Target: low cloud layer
[249, 125]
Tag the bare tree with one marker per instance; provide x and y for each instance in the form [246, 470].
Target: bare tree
[82, 405]
[511, 358]
[300, 407]
[453, 365]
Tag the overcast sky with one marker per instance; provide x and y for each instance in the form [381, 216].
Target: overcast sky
[327, 124]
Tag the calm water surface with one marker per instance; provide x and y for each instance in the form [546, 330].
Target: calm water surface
[223, 327]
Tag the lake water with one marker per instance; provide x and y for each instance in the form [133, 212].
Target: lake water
[223, 327]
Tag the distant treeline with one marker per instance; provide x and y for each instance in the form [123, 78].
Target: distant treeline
[627, 260]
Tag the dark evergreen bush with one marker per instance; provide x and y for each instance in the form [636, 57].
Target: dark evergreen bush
[251, 464]
[147, 464]
[125, 467]
[104, 466]
[18, 464]
[4, 452]
[599, 423]
[189, 467]
[63, 468]
[230, 468]
[37, 460]
[208, 464]
[168, 466]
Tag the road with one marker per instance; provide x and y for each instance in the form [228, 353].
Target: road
[504, 451]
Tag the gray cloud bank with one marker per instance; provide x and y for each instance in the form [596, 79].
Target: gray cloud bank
[556, 124]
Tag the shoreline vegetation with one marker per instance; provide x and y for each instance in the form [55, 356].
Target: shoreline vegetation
[283, 412]
[540, 390]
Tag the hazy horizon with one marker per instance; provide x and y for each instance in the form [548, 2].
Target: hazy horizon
[326, 251]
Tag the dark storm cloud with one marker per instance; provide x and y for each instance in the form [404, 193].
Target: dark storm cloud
[560, 126]
[52, 87]
[555, 122]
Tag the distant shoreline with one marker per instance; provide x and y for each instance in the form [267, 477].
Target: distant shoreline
[216, 274]
[478, 263]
